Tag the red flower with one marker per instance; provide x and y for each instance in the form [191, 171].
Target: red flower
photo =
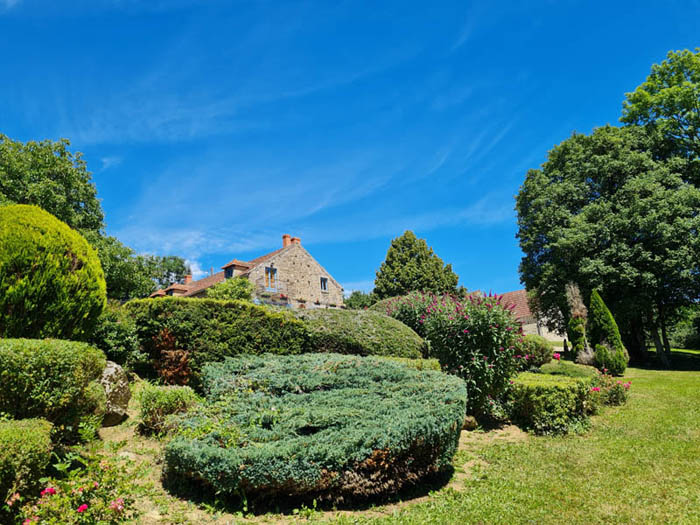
[82, 508]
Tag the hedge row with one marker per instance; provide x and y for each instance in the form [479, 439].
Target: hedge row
[51, 379]
[326, 426]
[360, 332]
[25, 451]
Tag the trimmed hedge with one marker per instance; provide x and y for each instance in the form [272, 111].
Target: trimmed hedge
[324, 426]
[115, 334]
[550, 404]
[185, 333]
[537, 349]
[157, 403]
[25, 452]
[51, 379]
[416, 364]
[51, 280]
[569, 369]
[360, 332]
[604, 335]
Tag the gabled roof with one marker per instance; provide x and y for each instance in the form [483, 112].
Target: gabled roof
[197, 286]
[236, 262]
[521, 309]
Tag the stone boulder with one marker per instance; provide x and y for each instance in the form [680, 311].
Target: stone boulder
[116, 385]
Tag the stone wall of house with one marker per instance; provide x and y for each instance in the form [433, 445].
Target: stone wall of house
[534, 328]
[299, 278]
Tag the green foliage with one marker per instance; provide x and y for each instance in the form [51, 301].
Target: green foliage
[115, 334]
[329, 427]
[235, 289]
[51, 379]
[602, 328]
[610, 391]
[209, 330]
[685, 333]
[537, 349]
[93, 489]
[550, 404]
[475, 339]
[166, 269]
[576, 332]
[609, 211]
[569, 369]
[360, 332]
[48, 175]
[359, 300]
[157, 403]
[410, 265]
[669, 100]
[417, 364]
[25, 450]
[51, 282]
[612, 360]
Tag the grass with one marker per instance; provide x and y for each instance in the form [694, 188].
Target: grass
[639, 463]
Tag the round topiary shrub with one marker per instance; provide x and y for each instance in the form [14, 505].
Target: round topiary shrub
[360, 332]
[324, 426]
[536, 349]
[51, 281]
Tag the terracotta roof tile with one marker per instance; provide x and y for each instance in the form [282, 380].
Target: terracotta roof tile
[518, 299]
[236, 262]
[197, 286]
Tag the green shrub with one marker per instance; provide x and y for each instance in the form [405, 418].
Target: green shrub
[51, 281]
[536, 350]
[612, 360]
[360, 332]
[157, 403]
[236, 289]
[25, 451]
[180, 335]
[568, 369]
[475, 339]
[115, 334]
[51, 379]
[417, 364]
[322, 426]
[576, 331]
[611, 391]
[550, 404]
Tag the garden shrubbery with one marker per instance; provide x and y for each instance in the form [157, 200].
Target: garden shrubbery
[604, 334]
[25, 451]
[157, 403]
[115, 334]
[536, 350]
[180, 335]
[360, 332]
[51, 281]
[322, 426]
[51, 379]
[475, 339]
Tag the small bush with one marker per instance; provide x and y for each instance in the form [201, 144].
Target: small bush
[322, 426]
[611, 391]
[51, 281]
[360, 332]
[576, 331]
[115, 334]
[51, 379]
[236, 289]
[25, 450]
[550, 404]
[612, 360]
[475, 339]
[157, 403]
[416, 364]
[205, 330]
[537, 350]
[568, 369]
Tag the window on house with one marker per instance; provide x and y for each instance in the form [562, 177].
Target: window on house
[228, 273]
[271, 278]
[324, 284]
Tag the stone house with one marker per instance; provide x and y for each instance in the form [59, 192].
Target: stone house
[289, 276]
[531, 324]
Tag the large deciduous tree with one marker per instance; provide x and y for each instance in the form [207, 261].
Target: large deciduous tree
[410, 265]
[606, 211]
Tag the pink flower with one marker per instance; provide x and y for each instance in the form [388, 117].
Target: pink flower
[30, 520]
[465, 331]
[82, 508]
[595, 389]
[48, 490]
[95, 484]
[117, 505]
[12, 499]
[556, 355]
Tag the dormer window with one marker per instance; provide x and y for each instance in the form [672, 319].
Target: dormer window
[271, 278]
[228, 272]
[324, 284]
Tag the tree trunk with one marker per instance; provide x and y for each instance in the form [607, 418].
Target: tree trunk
[667, 344]
[635, 340]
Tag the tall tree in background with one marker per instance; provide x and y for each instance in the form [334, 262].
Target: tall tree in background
[410, 265]
[605, 211]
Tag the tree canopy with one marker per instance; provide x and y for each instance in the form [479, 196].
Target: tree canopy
[235, 289]
[410, 265]
[606, 212]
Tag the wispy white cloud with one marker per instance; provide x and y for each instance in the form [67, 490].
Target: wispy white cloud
[196, 269]
[8, 4]
[110, 162]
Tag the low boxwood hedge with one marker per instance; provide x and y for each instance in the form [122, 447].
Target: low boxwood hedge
[158, 403]
[181, 334]
[569, 369]
[325, 426]
[360, 332]
[25, 451]
[53, 380]
[550, 404]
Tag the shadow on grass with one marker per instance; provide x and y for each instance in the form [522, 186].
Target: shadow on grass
[201, 495]
[683, 360]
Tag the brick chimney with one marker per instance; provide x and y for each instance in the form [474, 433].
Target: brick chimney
[286, 240]
[296, 240]
[188, 279]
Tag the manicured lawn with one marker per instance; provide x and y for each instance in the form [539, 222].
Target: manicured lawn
[639, 463]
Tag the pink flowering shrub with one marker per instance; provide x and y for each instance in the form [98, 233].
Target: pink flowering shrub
[98, 492]
[610, 390]
[475, 339]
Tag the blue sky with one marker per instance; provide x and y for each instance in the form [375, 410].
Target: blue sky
[212, 128]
